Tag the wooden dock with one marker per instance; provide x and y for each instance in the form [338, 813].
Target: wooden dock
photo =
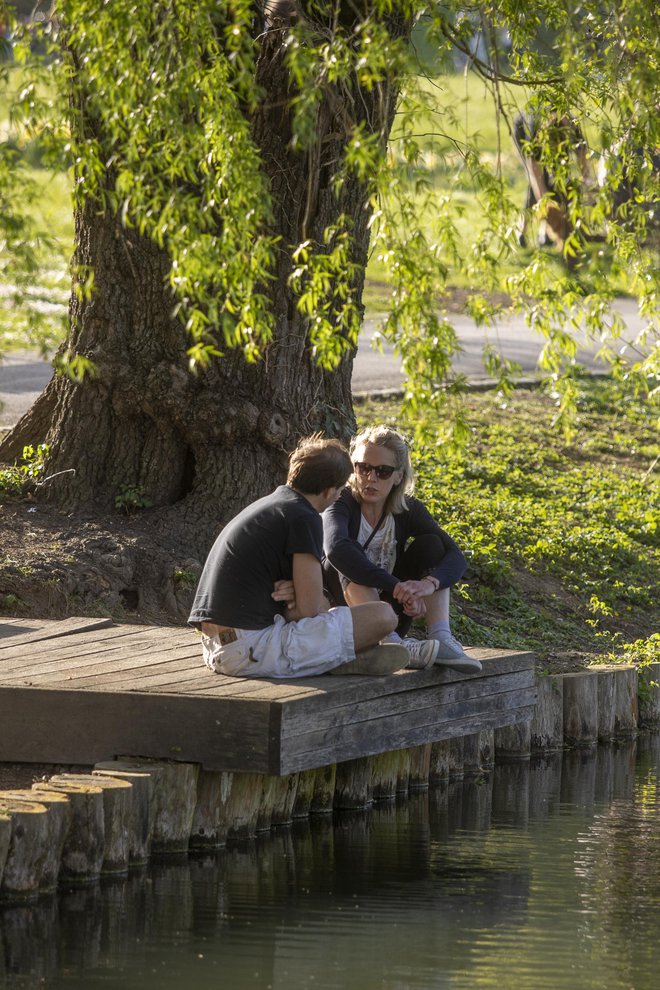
[82, 691]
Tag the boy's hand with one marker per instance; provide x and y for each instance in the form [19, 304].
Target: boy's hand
[283, 591]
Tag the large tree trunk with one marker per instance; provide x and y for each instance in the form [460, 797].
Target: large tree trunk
[200, 447]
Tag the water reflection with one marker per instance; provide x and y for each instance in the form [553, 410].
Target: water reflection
[536, 875]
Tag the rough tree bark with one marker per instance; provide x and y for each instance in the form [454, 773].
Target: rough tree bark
[200, 447]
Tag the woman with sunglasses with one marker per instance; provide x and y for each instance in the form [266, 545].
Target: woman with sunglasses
[381, 543]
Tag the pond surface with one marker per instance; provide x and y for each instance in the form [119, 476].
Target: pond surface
[535, 876]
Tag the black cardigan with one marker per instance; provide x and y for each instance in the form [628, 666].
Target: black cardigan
[341, 525]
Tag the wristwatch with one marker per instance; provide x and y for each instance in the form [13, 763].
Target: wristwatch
[434, 581]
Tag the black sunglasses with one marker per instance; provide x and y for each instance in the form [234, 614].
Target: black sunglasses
[381, 471]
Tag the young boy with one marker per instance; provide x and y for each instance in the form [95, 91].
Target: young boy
[260, 603]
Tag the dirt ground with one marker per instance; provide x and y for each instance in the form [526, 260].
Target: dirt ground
[54, 565]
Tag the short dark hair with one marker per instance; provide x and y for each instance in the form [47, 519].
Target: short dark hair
[318, 463]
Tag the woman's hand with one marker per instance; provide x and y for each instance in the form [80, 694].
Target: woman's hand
[415, 608]
[407, 592]
[283, 591]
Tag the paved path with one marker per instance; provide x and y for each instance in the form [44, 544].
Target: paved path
[23, 374]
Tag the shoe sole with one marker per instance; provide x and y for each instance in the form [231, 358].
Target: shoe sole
[466, 665]
[378, 661]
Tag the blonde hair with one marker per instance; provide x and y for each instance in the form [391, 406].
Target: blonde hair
[384, 436]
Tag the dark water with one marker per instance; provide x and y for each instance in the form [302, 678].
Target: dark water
[536, 876]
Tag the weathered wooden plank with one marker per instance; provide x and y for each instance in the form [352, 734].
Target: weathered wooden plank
[348, 748]
[72, 649]
[434, 708]
[148, 670]
[228, 687]
[62, 627]
[86, 727]
[72, 640]
[329, 692]
[295, 697]
[296, 719]
[109, 669]
[54, 668]
[19, 626]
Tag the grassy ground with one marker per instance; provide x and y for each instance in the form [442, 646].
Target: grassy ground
[562, 536]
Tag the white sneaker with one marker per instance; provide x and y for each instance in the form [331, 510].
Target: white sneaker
[451, 654]
[422, 652]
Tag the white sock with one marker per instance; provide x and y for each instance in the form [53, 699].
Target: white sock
[438, 629]
[392, 638]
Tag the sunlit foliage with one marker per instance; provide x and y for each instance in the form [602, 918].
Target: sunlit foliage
[152, 102]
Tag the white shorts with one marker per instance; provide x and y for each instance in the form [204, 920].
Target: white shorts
[286, 649]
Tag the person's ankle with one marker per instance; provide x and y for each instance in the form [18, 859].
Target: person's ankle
[438, 629]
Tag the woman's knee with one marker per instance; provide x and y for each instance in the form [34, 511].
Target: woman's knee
[359, 594]
[420, 557]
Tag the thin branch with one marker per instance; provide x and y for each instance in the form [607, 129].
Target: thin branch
[487, 71]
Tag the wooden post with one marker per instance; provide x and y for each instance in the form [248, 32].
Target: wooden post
[59, 808]
[141, 809]
[513, 742]
[420, 766]
[117, 797]
[304, 794]
[487, 748]
[547, 726]
[29, 848]
[471, 755]
[82, 853]
[353, 785]
[285, 796]
[384, 775]
[606, 677]
[649, 696]
[324, 790]
[403, 771]
[581, 709]
[456, 757]
[625, 718]
[241, 797]
[439, 765]
[269, 789]
[5, 836]
[207, 831]
[175, 797]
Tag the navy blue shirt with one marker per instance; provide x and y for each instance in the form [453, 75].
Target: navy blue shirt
[341, 525]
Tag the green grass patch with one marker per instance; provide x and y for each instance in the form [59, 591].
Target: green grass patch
[561, 536]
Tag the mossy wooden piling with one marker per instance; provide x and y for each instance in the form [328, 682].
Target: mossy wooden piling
[117, 800]
[141, 810]
[31, 841]
[84, 846]
[649, 697]
[59, 809]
